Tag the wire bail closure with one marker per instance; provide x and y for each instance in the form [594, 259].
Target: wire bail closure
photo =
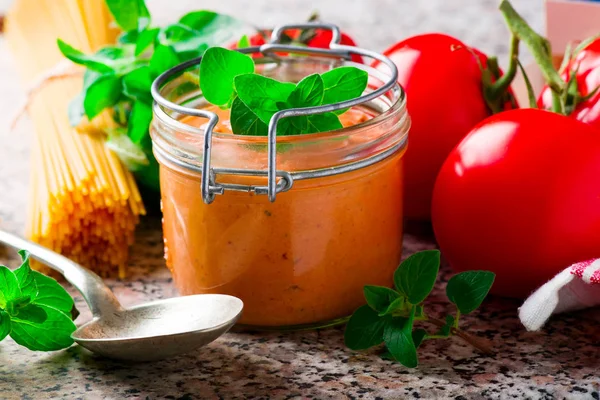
[209, 187]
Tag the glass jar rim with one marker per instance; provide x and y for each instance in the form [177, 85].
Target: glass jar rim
[169, 113]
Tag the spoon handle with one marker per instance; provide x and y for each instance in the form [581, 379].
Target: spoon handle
[98, 296]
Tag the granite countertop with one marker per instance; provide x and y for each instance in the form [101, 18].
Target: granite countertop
[560, 362]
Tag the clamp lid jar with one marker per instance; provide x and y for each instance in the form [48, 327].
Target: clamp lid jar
[293, 225]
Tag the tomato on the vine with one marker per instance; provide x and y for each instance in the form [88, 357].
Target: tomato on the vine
[520, 196]
[444, 86]
[585, 69]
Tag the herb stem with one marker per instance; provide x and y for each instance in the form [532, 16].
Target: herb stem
[481, 344]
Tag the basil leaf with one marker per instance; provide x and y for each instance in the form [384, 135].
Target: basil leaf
[5, 325]
[145, 39]
[379, 297]
[51, 294]
[394, 306]
[261, 94]
[244, 121]
[139, 122]
[26, 278]
[98, 63]
[42, 328]
[417, 274]
[163, 59]
[364, 329]
[307, 93]
[468, 289]
[343, 83]
[103, 93]
[418, 335]
[398, 339]
[198, 19]
[127, 13]
[218, 69]
[323, 123]
[130, 154]
[9, 286]
[137, 84]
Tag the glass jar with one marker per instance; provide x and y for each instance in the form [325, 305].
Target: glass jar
[303, 259]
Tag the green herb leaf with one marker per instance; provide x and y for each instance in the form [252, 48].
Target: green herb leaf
[52, 294]
[395, 305]
[417, 274]
[261, 94]
[418, 335]
[214, 29]
[323, 123]
[137, 84]
[145, 39]
[244, 121]
[198, 19]
[343, 83]
[398, 339]
[5, 325]
[218, 69]
[243, 42]
[128, 13]
[76, 110]
[139, 122]
[26, 278]
[379, 297]
[9, 286]
[130, 154]
[129, 37]
[103, 93]
[446, 329]
[164, 58]
[468, 289]
[42, 328]
[365, 329]
[307, 93]
[95, 62]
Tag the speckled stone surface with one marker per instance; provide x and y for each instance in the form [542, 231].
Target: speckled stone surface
[561, 362]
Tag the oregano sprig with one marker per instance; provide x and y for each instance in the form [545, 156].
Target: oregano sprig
[390, 315]
[118, 77]
[228, 80]
[35, 310]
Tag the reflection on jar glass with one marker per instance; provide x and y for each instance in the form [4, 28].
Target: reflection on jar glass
[303, 259]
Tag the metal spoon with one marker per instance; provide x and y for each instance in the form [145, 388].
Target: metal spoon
[146, 332]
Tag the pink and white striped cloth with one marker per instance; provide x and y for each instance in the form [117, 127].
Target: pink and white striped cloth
[574, 288]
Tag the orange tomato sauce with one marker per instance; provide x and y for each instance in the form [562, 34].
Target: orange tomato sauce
[303, 259]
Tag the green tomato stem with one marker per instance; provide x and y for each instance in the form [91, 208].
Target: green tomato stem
[539, 48]
[502, 84]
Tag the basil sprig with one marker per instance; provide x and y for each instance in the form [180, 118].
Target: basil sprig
[118, 77]
[35, 310]
[228, 80]
[390, 315]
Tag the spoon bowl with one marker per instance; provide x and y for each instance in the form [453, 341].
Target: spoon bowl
[178, 325]
[146, 332]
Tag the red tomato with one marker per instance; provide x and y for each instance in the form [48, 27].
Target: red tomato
[443, 84]
[520, 196]
[587, 67]
[323, 38]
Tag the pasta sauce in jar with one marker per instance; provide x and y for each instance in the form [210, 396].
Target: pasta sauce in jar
[303, 259]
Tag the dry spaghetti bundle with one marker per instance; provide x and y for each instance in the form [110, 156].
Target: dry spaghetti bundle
[83, 201]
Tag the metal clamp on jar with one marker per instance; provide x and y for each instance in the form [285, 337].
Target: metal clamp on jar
[331, 220]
